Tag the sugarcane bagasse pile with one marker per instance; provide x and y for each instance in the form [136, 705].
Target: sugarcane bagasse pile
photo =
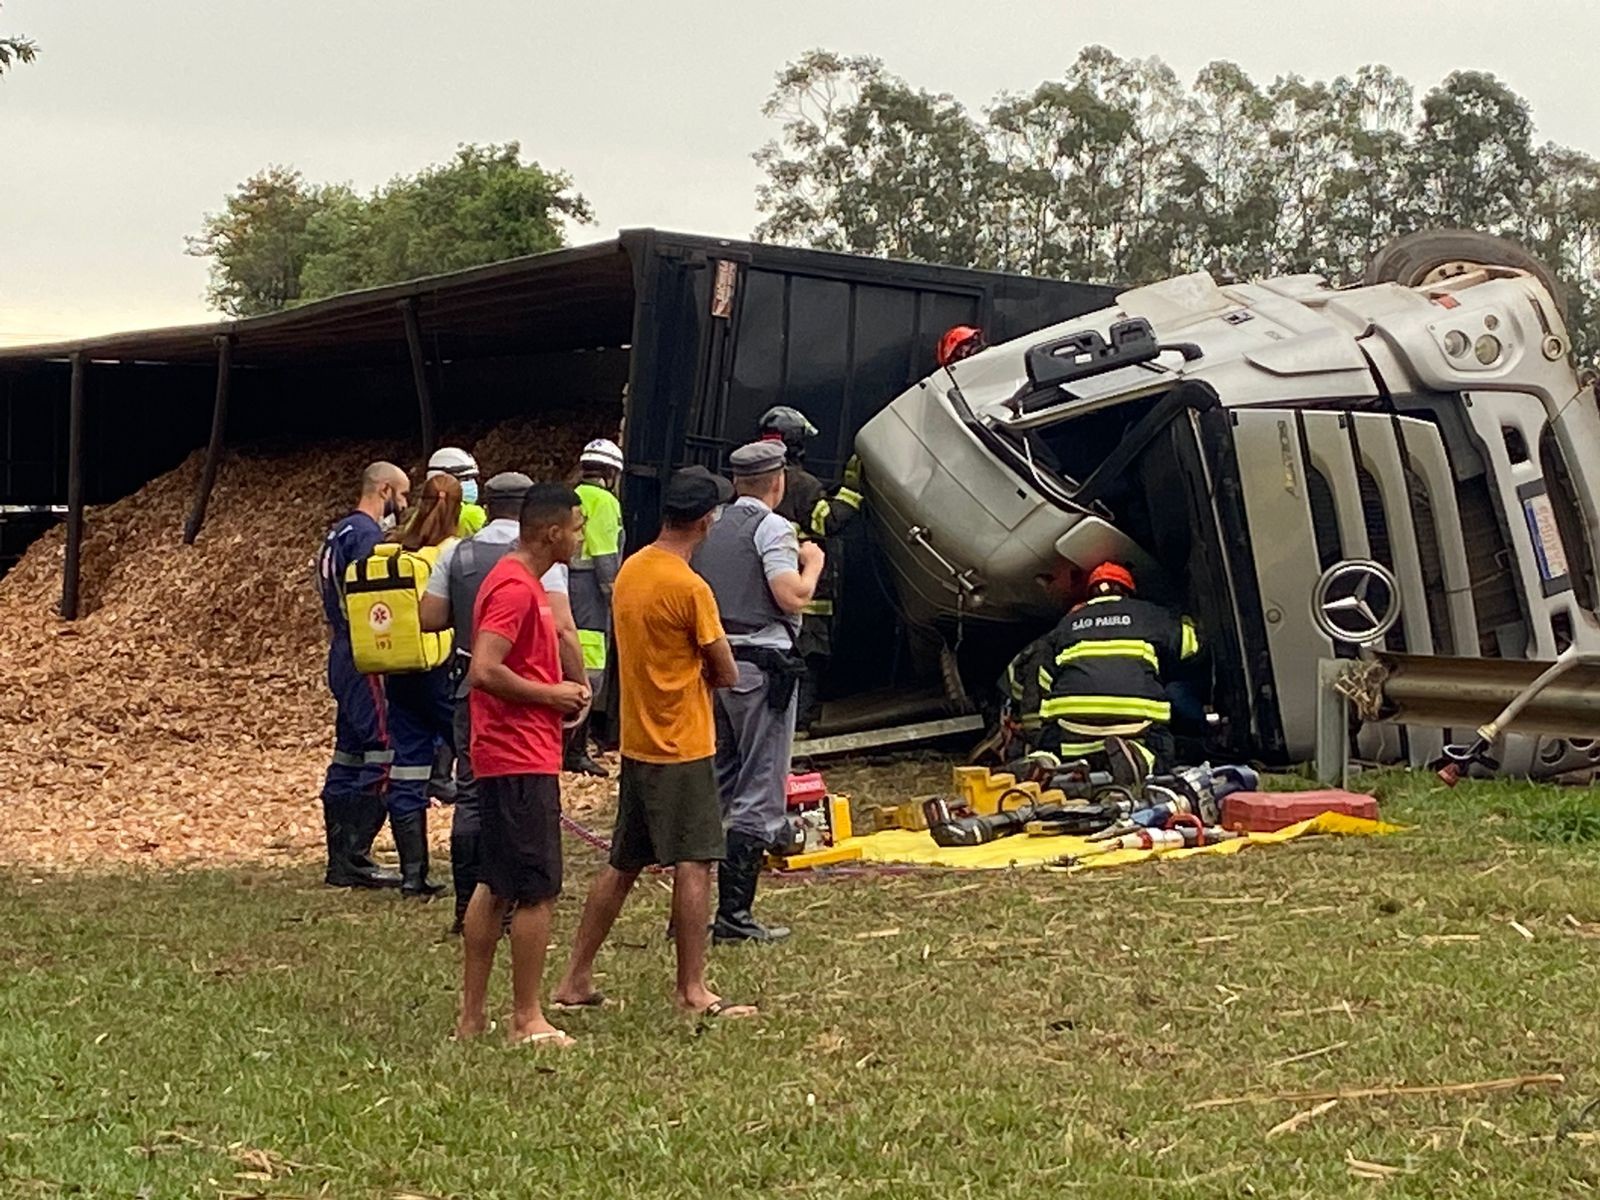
[184, 719]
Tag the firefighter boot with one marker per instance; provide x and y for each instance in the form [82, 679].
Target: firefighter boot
[736, 892]
[411, 839]
[1128, 761]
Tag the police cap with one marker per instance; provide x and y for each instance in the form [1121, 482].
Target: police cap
[508, 485]
[757, 458]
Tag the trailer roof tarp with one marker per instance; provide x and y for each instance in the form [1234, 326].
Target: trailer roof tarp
[565, 300]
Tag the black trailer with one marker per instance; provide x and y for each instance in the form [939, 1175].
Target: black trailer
[699, 335]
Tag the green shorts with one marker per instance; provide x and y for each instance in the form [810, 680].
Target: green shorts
[667, 813]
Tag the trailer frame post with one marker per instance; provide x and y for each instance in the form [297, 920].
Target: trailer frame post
[219, 426]
[419, 374]
[70, 567]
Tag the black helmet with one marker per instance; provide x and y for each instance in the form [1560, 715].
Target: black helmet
[791, 425]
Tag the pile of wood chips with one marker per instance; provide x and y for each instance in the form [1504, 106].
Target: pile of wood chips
[184, 719]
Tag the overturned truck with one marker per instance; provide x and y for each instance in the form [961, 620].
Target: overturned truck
[1411, 465]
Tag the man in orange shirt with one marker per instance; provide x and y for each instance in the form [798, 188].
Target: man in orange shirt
[671, 651]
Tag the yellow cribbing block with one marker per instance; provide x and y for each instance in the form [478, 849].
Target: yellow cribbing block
[908, 815]
[981, 791]
[840, 824]
[849, 852]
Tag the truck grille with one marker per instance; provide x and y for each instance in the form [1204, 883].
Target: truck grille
[1371, 480]
[1494, 585]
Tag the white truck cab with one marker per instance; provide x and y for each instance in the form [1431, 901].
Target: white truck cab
[1236, 442]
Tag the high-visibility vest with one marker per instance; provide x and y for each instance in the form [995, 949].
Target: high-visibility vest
[383, 603]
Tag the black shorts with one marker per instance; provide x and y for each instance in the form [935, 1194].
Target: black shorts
[521, 839]
[667, 813]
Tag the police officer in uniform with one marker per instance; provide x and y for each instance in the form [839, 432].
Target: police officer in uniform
[817, 517]
[1103, 674]
[762, 577]
[593, 572]
[353, 790]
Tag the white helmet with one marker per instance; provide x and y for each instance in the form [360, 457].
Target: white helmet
[602, 452]
[452, 460]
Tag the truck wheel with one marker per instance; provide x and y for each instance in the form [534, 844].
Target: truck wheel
[950, 675]
[1431, 255]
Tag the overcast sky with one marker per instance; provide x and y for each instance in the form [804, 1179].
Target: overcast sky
[140, 115]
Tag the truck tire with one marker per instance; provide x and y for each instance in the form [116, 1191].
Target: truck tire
[1434, 254]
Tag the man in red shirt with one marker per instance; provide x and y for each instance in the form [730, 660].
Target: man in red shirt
[518, 700]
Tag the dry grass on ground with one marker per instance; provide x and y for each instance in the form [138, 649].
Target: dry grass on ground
[250, 1034]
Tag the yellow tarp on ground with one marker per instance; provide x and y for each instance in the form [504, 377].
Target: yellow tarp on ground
[904, 846]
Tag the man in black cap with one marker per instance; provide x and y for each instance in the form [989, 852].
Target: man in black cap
[671, 653]
[763, 578]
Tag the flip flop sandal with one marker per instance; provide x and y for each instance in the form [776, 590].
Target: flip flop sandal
[487, 1029]
[593, 1000]
[716, 1011]
[549, 1035]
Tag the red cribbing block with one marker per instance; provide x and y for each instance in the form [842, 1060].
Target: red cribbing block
[1263, 812]
[806, 789]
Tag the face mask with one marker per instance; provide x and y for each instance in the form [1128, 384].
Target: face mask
[391, 514]
[469, 491]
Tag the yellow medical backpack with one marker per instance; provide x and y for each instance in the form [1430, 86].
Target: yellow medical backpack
[383, 603]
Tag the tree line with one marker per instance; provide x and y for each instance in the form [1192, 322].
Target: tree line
[16, 49]
[280, 240]
[1119, 172]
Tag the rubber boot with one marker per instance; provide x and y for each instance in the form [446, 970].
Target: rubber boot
[736, 893]
[578, 761]
[369, 813]
[464, 874]
[442, 783]
[411, 839]
[345, 818]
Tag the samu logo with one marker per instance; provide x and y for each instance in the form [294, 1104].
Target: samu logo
[380, 618]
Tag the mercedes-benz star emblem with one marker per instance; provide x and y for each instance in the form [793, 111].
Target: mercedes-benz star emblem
[1356, 601]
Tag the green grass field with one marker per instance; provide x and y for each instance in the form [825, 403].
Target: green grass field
[243, 1034]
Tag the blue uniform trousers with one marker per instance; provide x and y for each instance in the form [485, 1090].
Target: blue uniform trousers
[362, 753]
[421, 714]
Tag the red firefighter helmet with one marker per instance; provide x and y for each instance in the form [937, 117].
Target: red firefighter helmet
[1113, 573]
[958, 342]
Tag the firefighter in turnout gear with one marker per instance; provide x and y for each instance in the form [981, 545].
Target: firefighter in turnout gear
[1102, 677]
[818, 517]
[1020, 690]
[592, 574]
